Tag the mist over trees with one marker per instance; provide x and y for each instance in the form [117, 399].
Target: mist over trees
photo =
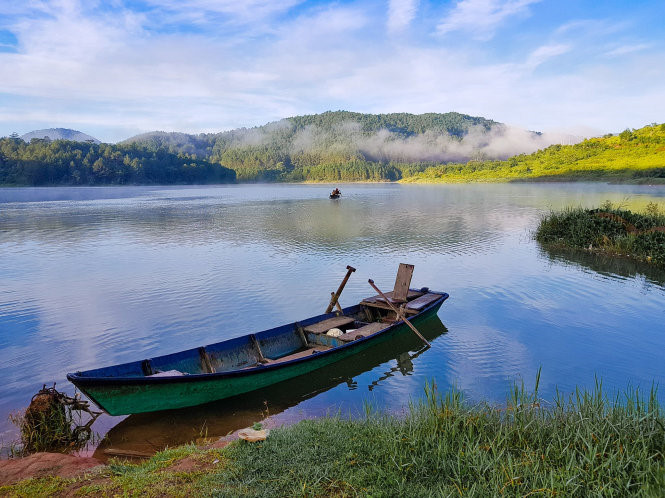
[332, 146]
[632, 155]
[59, 134]
[351, 146]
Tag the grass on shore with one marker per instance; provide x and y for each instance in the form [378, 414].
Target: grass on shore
[608, 229]
[633, 156]
[582, 445]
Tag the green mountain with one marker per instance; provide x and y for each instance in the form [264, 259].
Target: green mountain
[337, 145]
[632, 155]
[340, 146]
[200, 145]
[59, 134]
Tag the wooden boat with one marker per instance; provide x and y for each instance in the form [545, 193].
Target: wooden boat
[243, 364]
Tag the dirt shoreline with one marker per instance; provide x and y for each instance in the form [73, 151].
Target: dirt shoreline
[45, 464]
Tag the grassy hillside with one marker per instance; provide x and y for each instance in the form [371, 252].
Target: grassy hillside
[630, 155]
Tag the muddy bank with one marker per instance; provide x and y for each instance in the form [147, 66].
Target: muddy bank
[45, 464]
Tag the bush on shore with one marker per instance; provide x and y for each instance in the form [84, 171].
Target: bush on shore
[608, 229]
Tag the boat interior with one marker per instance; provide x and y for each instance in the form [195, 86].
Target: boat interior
[287, 342]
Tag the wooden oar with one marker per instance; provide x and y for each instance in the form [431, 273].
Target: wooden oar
[332, 297]
[398, 312]
[335, 295]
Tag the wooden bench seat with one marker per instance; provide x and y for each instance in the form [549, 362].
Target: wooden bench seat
[385, 306]
[325, 325]
[300, 354]
[421, 302]
[374, 299]
[364, 331]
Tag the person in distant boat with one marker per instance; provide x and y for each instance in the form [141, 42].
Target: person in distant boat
[336, 192]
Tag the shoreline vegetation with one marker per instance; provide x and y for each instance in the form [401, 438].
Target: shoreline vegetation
[582, 444]
[609, 230]
[338, 147]
[633, 156]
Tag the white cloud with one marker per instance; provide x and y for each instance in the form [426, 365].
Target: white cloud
[112, 70]
[316, 26]
[627, 49]
[401, 13]
[236, 11]
[592, 27]
[546, 52]
[482, 17]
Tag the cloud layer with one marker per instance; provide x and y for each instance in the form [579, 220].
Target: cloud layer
[113, 70]
[500, 142]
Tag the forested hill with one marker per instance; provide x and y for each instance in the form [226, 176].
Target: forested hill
[59, 134]
[402, 124]
[632, 155]
[201, 145]
[337, 145]
[331, 146]
[284, 131]
[53, 162]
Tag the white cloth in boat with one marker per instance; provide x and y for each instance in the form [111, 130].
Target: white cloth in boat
[168, 373]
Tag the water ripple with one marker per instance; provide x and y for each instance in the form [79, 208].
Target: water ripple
[97, 276]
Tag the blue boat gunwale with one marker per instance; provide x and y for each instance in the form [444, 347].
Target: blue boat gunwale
[78, 378]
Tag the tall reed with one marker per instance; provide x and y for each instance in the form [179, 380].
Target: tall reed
[578, 445]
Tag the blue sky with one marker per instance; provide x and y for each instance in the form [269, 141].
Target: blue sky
[113, 69]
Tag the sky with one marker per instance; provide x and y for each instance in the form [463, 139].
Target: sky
[116, 68]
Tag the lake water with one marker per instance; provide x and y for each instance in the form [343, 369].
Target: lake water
[97, 276]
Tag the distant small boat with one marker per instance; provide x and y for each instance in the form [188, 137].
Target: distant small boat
[335, 194]
[235, 366]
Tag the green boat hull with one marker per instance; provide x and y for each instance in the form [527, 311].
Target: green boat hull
[122, 397]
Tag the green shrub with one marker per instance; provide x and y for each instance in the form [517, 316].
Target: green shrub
[609, 229]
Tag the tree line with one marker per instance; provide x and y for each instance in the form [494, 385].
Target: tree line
[316, 147]
[277, 153]
[57, 162]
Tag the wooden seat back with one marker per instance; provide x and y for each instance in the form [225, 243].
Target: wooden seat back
[402, 283]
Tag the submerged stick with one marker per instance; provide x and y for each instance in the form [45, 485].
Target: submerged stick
[399, 313]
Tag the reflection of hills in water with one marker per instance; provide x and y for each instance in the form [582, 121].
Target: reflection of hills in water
[612, 266]
[151, 432]
[387, 220]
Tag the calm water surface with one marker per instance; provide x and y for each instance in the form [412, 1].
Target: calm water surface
[96, 276]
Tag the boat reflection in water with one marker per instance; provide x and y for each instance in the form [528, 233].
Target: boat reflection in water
[147, 433]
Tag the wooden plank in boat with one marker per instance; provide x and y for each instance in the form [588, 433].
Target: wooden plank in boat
[301, 354]
[385, 306]
[402, 282]
[325, 325]
[411, 295]
[364, 331]
[422, 301]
